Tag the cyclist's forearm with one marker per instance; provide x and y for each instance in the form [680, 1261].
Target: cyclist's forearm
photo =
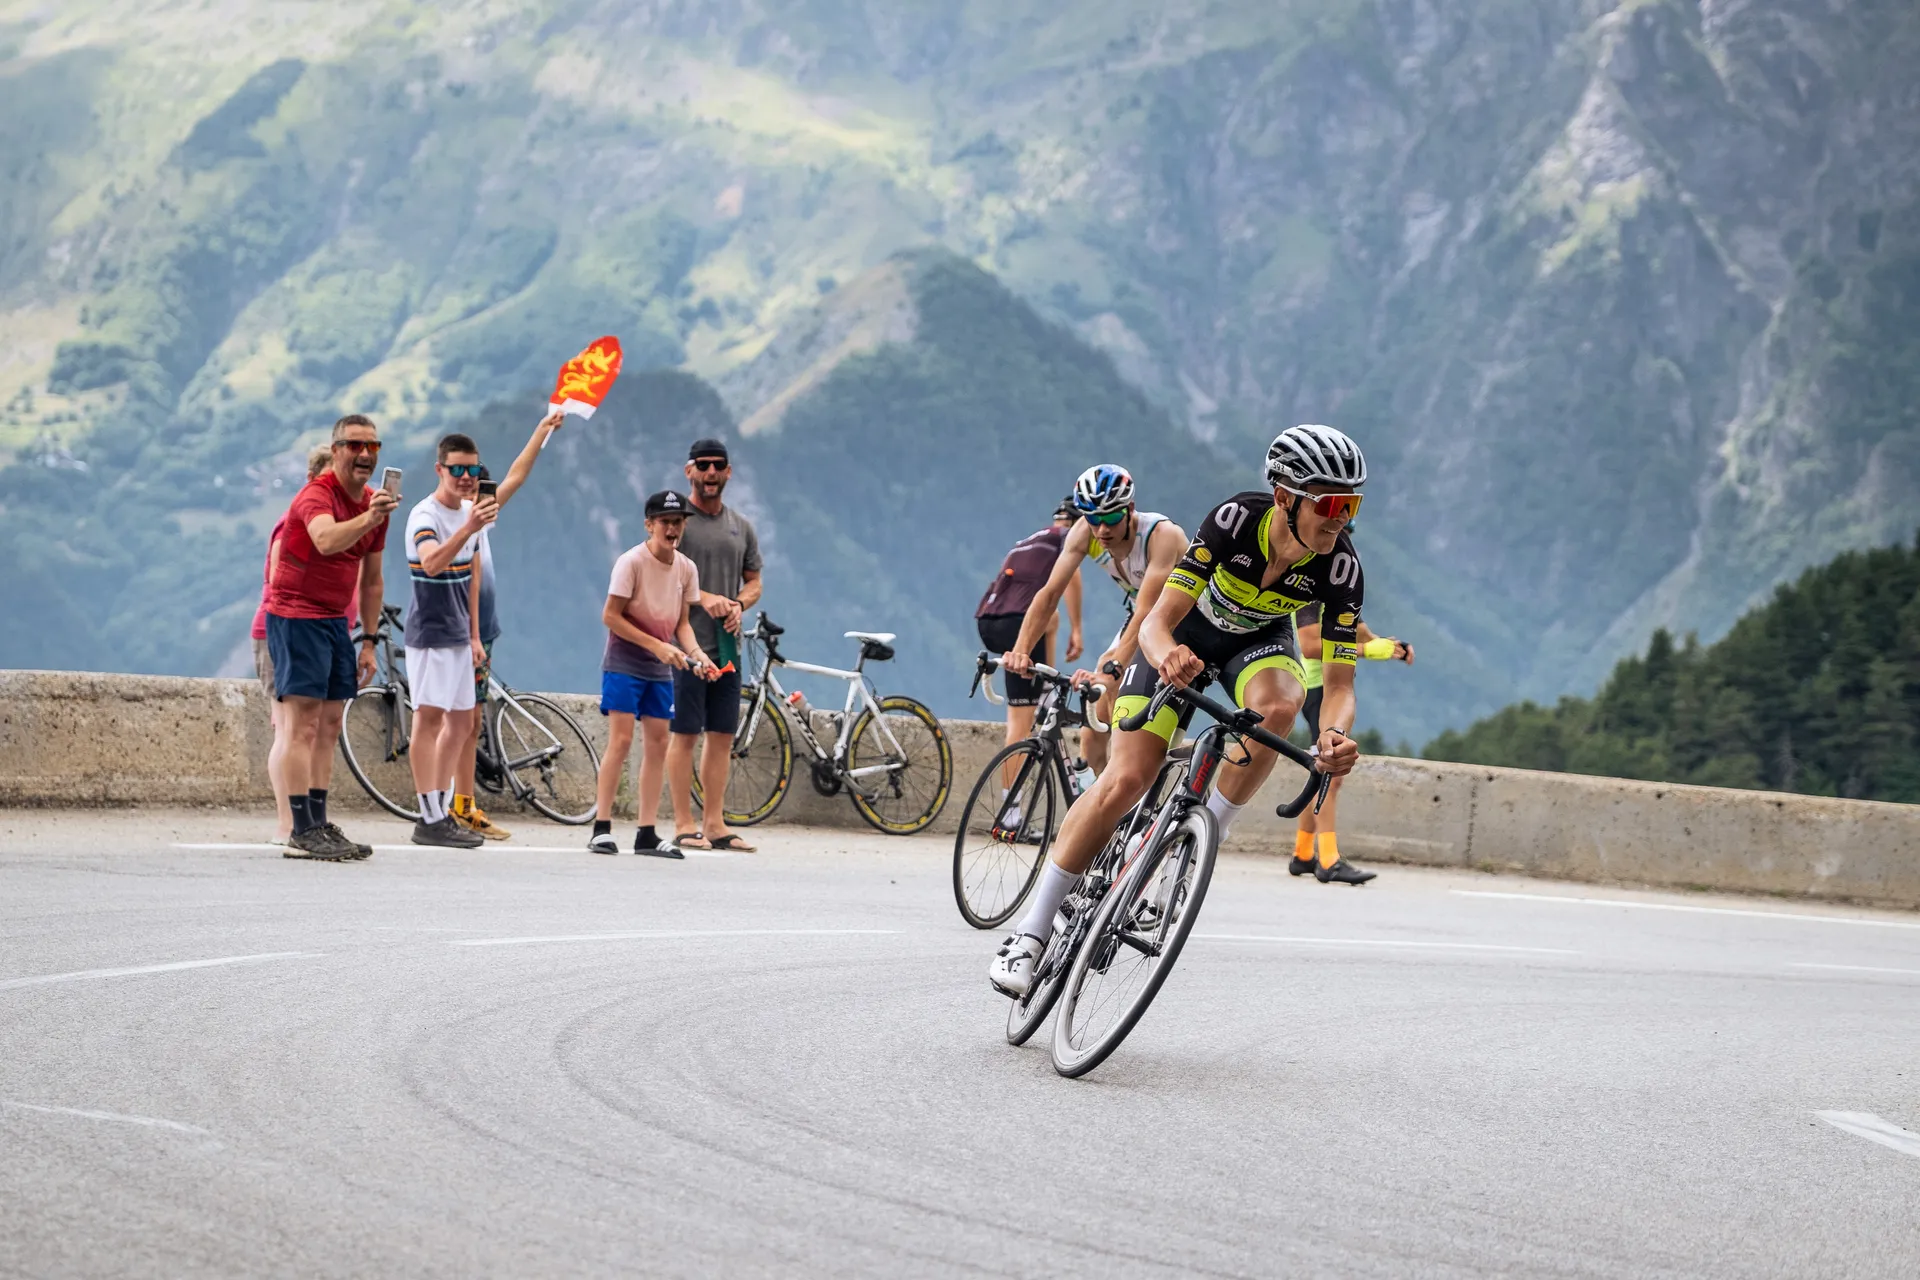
[1338, 706]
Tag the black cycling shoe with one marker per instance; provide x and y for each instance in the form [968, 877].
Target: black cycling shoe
[1302, 866]
[1343, 872]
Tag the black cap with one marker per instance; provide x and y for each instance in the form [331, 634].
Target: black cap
[1066, 510]
[666, 503]
[708, 448]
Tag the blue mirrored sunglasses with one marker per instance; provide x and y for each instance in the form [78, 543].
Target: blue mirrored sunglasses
[1108, 518]
[458, 469]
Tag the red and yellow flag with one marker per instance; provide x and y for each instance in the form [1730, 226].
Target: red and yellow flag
[585, 380]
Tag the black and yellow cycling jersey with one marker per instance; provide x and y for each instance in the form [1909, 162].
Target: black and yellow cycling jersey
[1227, 561]
[1239, 628]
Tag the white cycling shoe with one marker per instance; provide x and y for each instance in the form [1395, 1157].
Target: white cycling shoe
[1011, 972]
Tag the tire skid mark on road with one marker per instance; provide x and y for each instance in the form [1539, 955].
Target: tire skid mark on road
[110, 1116]
[1380, 942]
[1575, 900]
[651, 935]
[1865, 1124]
[80, 975]
[699, 1069]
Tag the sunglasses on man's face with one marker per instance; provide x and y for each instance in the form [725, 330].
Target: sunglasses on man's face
[1330, 506]
[459, 469]
[359, 446]
[1107, 519]
[709, 464]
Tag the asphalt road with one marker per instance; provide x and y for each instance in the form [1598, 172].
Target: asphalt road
[515, 1062]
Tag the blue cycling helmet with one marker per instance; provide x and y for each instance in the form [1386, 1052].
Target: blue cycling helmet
[1102, 489]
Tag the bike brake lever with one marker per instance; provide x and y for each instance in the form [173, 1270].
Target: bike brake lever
[1320, 796]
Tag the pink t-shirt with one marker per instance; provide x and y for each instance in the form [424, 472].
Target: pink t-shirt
[655, 593]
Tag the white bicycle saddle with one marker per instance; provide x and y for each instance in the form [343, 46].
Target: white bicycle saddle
[878, 637]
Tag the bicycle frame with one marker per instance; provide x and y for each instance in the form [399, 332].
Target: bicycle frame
[859, 696]
[491, 754]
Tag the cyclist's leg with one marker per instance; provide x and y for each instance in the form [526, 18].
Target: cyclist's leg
[1264, 677]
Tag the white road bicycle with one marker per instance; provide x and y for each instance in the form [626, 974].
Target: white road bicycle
[889, 754]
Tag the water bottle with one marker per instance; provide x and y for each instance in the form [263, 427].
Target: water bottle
[798, 704]
[1082, 775]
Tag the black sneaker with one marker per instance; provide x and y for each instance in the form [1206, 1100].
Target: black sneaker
[658, 849]
[446, 834]
[314, 845]
[360, 852]
[1343, 872]
[1302, 866]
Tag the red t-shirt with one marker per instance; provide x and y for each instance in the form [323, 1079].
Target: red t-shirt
[310, 585]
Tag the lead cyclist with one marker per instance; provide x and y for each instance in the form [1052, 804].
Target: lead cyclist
[1228, 606]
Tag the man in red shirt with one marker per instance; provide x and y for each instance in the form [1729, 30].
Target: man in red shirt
[329, 552]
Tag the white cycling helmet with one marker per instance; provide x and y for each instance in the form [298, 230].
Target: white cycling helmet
[1312, 454]
[1101, 489]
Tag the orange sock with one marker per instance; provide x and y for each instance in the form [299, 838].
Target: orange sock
[1329, 849]
[1302, 846]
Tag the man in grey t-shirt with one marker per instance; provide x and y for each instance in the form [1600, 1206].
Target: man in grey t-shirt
[723, 546]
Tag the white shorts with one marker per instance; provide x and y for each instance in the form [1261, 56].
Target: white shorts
[442, 677]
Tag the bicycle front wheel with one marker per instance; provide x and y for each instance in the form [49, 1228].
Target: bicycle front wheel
[549, 755]
[1003, 839]
[375, 735]
[761, 764]
[899, 766]
[1132, 943]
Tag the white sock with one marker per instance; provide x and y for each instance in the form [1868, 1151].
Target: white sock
[1052, 890]
[442, 803]
[426, 807]
[1224, 811]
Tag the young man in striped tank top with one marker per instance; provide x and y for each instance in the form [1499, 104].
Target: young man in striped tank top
[1138, 549]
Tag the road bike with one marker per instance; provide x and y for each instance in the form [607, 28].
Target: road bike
[530, 748]
[1120, 931]
[1004, 838]
[889, 754]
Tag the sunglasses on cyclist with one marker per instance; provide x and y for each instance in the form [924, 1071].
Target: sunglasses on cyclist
[359, 446]
[1108, 519]
[459, 469]
[709, 464]
[1329, 506]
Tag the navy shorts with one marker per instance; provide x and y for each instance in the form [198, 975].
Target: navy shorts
[312, 658]
[647, 699]
[703, 707]
[998, 632]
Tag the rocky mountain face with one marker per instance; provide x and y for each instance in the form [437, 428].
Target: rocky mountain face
[1621, 297]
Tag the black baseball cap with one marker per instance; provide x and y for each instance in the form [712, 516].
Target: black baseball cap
[666, 503]
[708, 448]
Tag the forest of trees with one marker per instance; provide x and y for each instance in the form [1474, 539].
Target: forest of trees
[1817, 691]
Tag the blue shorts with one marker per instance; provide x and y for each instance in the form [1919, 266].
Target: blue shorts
[647, 699]
[312, 658]
[706, 706]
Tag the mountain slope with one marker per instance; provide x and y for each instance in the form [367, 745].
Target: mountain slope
[1619, 296]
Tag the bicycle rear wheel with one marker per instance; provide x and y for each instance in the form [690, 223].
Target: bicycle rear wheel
[1132, 943]
[762, 764]
[549, 755]
[995, 862]
[375, 734]
[899, 778]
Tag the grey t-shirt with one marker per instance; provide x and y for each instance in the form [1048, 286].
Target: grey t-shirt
[724, 548]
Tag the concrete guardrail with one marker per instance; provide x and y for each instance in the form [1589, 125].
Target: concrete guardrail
[70, 738]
